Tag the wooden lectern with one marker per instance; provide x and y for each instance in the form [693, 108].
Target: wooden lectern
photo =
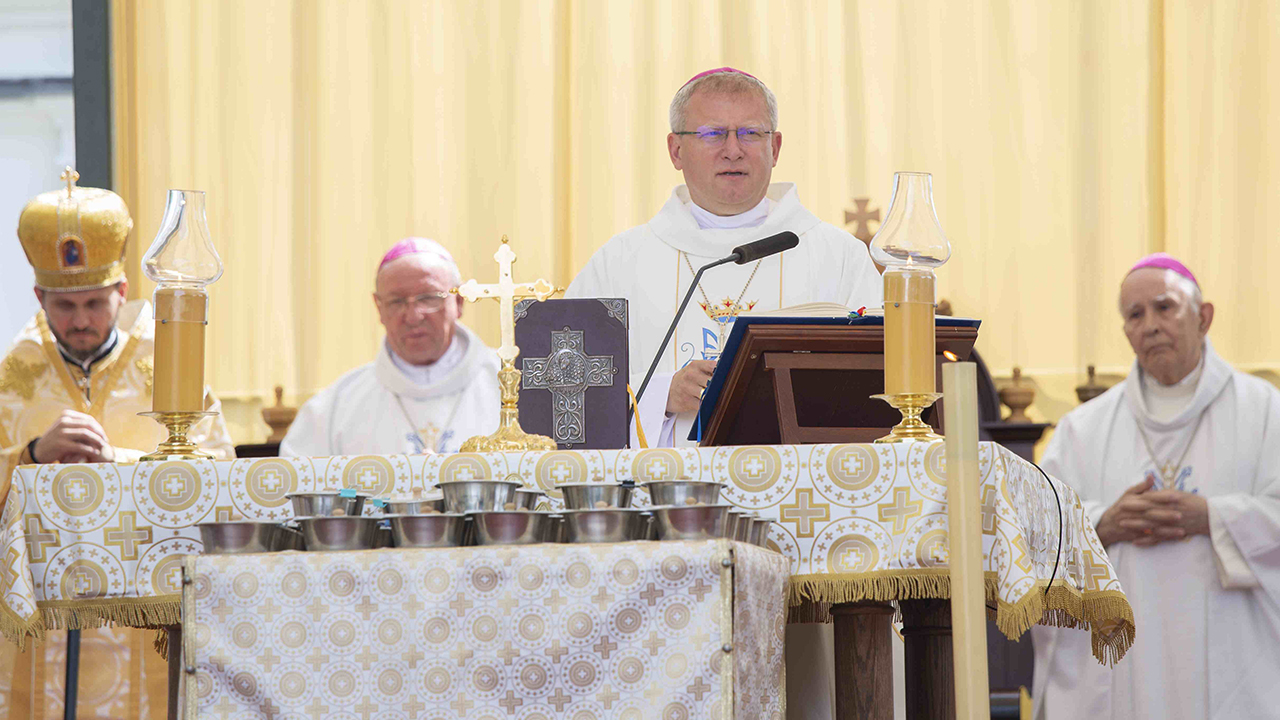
[810, 380]
[794, 381]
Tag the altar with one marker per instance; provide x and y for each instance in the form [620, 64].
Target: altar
[85, 545]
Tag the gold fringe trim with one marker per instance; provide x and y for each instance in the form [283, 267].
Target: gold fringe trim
[161, 643]
[149, 612]
[1106, 613]
[16, 629]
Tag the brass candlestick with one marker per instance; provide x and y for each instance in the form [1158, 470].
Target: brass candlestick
[509, 437]
[910, 244]
[182, 261]
[177, 447]
[911, 405]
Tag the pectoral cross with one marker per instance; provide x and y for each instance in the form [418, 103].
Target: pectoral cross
[506, 291]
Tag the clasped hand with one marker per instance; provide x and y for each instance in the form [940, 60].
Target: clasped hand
[1146, 517]
[74, 438]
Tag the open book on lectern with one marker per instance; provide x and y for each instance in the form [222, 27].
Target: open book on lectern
[813, 315]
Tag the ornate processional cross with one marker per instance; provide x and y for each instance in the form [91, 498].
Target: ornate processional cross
[506, 291]
[509, 436]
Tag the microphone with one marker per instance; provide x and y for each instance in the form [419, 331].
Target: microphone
[764, 248]
[741, 255]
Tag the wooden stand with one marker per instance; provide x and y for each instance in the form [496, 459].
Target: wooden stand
[175, 671]
[926, 633]
[864, 660]
[799, 384]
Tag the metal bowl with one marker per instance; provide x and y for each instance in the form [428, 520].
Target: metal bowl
[469, 496]
[339, 533]
[416, 506]
[290, 538]
[428, 531]
[731, 524]
[243, 536]
[743, 532]
[691, 522]
[760, 532]
[606, 525]
[554, 530]
[584, 496]
[679, 492]
[510, 527]
[528, 498]
[322, 504]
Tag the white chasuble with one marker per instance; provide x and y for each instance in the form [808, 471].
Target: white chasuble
[653, 264]
[388, 407]
[1206, 609]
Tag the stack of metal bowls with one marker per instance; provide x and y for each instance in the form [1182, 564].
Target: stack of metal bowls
[498, 512]
[598, 512]
[333, 520]
[685, 509]
[323, 504]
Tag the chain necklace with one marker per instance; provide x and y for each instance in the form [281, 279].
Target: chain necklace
[1169, 471]
[737, 303]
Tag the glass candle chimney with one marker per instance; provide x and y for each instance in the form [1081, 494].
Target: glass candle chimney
[182, 261]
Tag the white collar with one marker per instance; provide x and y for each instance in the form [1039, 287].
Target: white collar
[754, 217]
[427, 375]
[1166, 401]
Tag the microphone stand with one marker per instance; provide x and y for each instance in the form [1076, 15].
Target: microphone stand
[672, 329]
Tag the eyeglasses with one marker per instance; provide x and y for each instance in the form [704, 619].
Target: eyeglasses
[716, 136]
[426, 302]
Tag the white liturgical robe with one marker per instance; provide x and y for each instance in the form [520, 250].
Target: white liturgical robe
[1206, 609]
[652, 265]
[389, 407]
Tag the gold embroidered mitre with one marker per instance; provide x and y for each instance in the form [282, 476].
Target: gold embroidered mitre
[74, 237]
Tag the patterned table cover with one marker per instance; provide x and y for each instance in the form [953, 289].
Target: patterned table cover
[81, 545]
[590, 632]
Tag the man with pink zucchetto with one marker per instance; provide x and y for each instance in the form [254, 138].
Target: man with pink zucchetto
[1178, 468]
[433, 384]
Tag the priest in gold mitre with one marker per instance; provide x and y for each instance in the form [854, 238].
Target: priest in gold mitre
[71, 387]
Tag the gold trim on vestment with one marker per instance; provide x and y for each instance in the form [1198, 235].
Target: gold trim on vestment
[20, 377]
[810, 597]
[50, 346]
[115, 362]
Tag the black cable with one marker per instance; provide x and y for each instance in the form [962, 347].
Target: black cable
[1057, 556]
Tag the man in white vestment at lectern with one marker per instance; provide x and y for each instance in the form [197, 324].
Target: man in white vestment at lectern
[1178, 467]
[725, 140]
[433, 384]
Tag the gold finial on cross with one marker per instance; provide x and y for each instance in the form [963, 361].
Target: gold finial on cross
[69, 176]
[862, 217]
[506, 291]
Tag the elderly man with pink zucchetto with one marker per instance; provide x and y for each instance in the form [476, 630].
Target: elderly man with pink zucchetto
[1178, 468]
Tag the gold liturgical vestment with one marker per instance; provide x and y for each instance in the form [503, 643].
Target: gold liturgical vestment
[121, 675]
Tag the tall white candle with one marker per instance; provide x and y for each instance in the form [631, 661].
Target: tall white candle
[964, 518]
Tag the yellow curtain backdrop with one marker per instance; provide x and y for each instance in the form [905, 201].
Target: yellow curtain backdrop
[1066, 140]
